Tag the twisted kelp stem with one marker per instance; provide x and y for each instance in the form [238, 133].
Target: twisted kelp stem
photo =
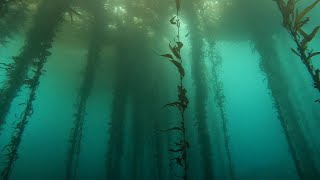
[13, 147]
[294, 21]
[182, 145]
[219, 98]
[75, 138]
[299, 149]
[38, 41]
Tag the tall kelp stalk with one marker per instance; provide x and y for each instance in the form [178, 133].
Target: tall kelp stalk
[201, 96]
[13, 146]
[294, 21]
[37, 44]
[219, 97]
[299, 148]
[198, 72]
[116, 131]
[145, 112]
[182, 144]
[118, 121]
[94, 50]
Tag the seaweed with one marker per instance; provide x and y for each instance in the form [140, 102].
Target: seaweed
[201, 93]
[118, 117]
[32, 57]
[298, 146]
[220, 99]
[182, 145]
[115, 143]
[14, 144]
[39, 40]
[294, 21]
[76, 133]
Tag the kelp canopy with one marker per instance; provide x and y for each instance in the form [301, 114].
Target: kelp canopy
[149, 89]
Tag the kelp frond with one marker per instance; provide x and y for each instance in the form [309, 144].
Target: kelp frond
[182, 103]
[294, 21]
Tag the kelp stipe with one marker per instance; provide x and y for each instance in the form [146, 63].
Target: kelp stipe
[94, 50]
[38, 41]
[34, 54]
[294, 21]
[298, 147]
[116, 140]
[118, 121]
[13, 146]
[219, 97]
[182, 103]
[198, 73]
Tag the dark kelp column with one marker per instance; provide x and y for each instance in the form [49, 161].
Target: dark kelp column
[16, 138]
[201, 91]
[118, 118]
[37, 44]
[95, 8]
[34, 54]
[133, 118]
[201, 96]
[216, 60]
[143, 105]
[299, 147]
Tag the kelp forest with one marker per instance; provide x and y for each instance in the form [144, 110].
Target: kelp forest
[159, 90]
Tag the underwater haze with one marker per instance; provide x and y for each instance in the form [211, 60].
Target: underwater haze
[159, 90]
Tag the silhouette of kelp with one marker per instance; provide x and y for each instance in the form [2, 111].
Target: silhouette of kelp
[294, 21]
[198, 72]
[219, 97]
[38, 41]
[298, 146]
[182, 103]
[32, 58]
[13, 146]
[93, 57]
